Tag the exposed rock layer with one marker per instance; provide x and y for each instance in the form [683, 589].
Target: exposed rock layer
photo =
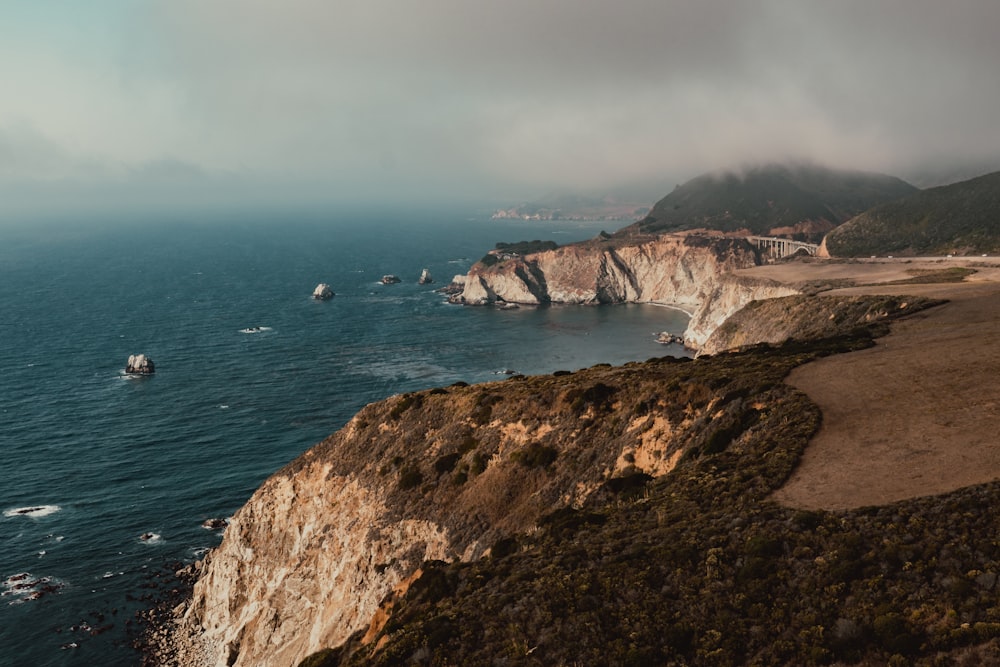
[687, 271]
[676, 269]
[437, 475]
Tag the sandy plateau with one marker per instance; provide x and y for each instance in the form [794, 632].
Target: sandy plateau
[919, 413]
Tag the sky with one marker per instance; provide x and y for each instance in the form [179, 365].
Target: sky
[209, 104]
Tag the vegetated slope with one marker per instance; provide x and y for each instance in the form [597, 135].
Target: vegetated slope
[698, 566]
[962, 218]
[806, 317]
[801, 201]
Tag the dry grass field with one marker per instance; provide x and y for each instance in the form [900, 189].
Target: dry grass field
[919, 413]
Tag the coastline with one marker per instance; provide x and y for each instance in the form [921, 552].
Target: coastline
[672, 306]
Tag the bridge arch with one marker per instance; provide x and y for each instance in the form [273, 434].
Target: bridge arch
[778, 247]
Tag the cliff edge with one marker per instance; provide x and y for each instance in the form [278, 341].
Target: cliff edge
[613, 515]
[690, 271]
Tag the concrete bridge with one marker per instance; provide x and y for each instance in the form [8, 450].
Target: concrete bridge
[778, 248]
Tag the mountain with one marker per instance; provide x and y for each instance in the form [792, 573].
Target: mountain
[799, 201]
[960, 219]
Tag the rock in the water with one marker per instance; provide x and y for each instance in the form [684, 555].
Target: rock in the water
[214, 524]
[666, 338]
[390, 279]
[139, 364]
[425, 278]
[455, 287]
[323, 292]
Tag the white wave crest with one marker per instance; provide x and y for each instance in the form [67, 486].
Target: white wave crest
[33, 511]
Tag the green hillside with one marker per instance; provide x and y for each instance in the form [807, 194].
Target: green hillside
[961, 219]
[803, 202]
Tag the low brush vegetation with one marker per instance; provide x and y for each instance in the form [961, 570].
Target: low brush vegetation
[694, 567]
[962, 219]
[800, 201]
[519, 248]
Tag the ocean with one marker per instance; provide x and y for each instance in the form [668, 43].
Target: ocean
[107, 479]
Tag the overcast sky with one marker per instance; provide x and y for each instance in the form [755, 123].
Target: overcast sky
[221, 101]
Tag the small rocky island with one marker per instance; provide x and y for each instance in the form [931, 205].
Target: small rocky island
[139, 364]
[323, 292]
[425, 278]
[389, 279]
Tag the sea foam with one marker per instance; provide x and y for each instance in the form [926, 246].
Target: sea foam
[33, 511]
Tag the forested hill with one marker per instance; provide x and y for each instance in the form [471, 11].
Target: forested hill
[960, 219]
[804, 202]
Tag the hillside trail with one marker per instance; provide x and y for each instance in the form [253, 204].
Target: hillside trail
[917, 414]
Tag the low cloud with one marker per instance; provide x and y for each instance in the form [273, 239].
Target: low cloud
[446, 98]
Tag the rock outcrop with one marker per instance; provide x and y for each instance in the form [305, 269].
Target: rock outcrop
[323, 292]
[140, 364]
[389, 279]
[689, 271]
[425, 278]
[806, 317]
[679, 269]
[444, 474]
[727, 295]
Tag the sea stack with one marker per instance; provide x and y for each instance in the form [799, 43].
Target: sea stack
[425, 278]
[390, 279]
[139, 364]
[323, 292]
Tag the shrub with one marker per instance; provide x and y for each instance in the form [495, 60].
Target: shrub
[410, 477]
[535, 455]
[406, 401]
[446, 463]
[478, 464]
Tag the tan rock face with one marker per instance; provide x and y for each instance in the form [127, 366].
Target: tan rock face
[688, 271]
[316, 554]
[674, 268]
[305, 562]
[729, 294]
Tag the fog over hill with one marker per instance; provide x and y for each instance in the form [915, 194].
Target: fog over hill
[961, 218]
[798, 200]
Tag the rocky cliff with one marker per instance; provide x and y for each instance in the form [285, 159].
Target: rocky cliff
[689, 271]
[806, 317]
[441, 475]
[728, 294]
[608, 516]
[675, 268]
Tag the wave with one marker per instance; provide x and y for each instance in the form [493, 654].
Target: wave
[24, 587]
[254, 330]
[33, 511]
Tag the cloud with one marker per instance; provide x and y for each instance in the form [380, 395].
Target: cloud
[444, 98]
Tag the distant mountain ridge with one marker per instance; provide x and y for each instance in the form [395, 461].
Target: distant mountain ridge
[961, 219]
[798, 201]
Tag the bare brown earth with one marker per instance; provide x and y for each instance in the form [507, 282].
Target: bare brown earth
[919, 413]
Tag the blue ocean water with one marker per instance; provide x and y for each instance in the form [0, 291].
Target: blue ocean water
[93, 461]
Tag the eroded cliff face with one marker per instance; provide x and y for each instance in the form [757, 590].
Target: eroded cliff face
[317, 552]
[675, 268]
[728, 295]
[803, 317]
[689, 271]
